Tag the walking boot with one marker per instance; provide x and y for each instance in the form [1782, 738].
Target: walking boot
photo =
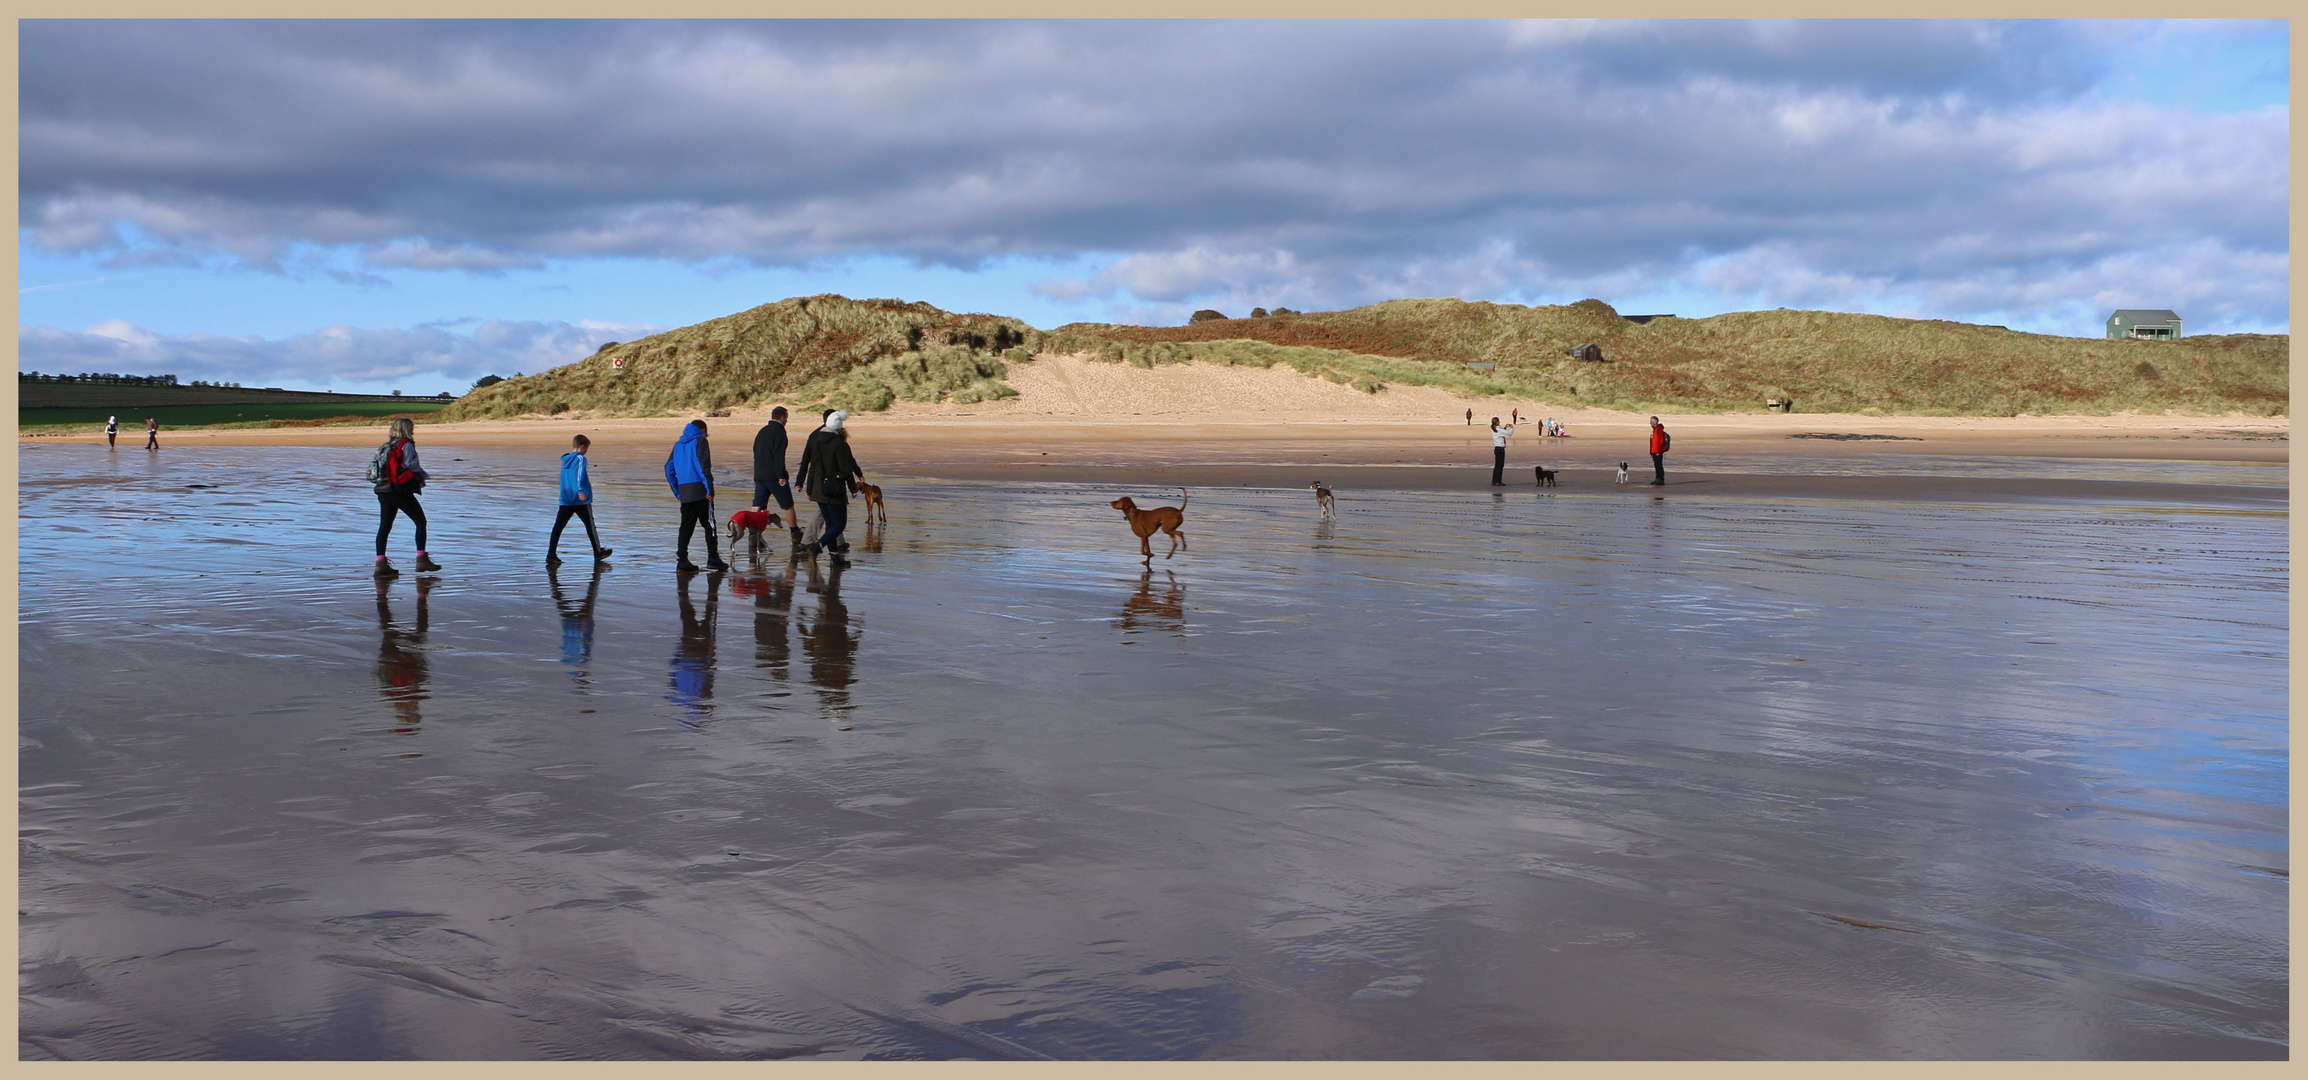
[425, 563]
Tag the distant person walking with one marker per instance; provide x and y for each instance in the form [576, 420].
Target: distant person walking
[151, 433]
[1499, 437]
[112, 431]
[1470, 418]
[1659, 442]
[576, 502]
[689, 472]
[829, 474]
[769, 477]
[398, 480]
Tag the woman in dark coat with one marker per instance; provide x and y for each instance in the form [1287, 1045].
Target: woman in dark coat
[828, 475]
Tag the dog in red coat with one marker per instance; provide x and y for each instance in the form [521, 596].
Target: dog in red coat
[750, 523]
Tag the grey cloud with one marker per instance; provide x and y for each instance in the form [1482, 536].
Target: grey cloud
[344, 357]
[1325, 161]
[425, 255]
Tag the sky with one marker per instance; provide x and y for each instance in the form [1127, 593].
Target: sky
[371, 206]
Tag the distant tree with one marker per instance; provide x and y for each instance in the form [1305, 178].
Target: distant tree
[1206, 315]
[396, 393]
[486, 380]
[1257, 313]
[1284, 311]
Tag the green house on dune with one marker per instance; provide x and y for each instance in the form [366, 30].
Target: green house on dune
[2143, 324]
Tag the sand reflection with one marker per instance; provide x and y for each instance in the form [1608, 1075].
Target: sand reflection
[401, 663]
[577, 622]
[693, 653]
[831, 643]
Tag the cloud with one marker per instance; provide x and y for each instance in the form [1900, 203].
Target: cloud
[425, 255]
[335, 357]
[1316, 164]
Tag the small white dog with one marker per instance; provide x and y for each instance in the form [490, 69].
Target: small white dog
[1622, 472]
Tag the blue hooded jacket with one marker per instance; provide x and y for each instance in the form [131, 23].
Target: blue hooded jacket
[576, 482]
[688, 471]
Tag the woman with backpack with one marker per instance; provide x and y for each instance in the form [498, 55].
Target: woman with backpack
[828, 474]
[1659, 444]
[398, 478]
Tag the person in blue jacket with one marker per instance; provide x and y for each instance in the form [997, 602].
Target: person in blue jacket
[689, 472]
[576, 502]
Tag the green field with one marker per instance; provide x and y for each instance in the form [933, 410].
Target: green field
[173, 417]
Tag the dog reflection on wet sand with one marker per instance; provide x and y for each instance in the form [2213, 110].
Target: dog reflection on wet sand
[1150, 610]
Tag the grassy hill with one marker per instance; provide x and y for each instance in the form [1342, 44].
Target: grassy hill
[1829, 361]
[816, 350]
[865, 354]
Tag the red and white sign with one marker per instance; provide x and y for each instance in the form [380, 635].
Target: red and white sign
[616, 363]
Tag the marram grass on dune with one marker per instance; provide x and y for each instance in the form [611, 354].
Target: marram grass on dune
[831, 351]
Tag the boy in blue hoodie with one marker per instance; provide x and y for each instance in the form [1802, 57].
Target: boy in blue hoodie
[689, 472]
[576, 501]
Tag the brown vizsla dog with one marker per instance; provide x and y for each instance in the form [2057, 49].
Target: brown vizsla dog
[1144, 522]
[872, 494]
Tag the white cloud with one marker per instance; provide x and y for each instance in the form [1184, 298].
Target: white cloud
[1227, 162]
[426, 255]
[422, 359]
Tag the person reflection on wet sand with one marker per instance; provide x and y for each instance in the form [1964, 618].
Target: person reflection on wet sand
[693, 654]
[1146, 610]
[830, 643]
[772, 595]
[401, 657]
[576, 622]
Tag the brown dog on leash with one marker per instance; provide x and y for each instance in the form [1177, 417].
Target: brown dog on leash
[1144, 522]
[871, 495]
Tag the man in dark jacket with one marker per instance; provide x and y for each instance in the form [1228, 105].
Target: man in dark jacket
[769, 470]
[689, 472]
[828, 475]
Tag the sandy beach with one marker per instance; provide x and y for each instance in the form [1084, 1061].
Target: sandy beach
[1076, 419]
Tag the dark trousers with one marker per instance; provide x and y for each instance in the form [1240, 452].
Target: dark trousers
[1498, 464]
[836, 515]
[390, 503]
[694, 514]
[581, 512]
[1658, 468]
[784, 492]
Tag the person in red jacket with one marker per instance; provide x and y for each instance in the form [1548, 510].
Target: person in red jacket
[1658, 453]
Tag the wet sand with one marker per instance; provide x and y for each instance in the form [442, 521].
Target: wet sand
[1724, 771]
[2196, 460]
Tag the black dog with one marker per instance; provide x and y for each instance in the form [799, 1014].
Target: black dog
[1546, 475]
